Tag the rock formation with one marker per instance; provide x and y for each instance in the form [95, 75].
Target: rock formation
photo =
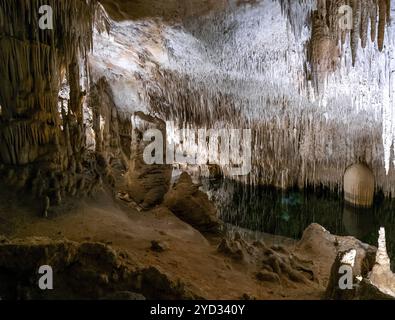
[318, 241]
[381, 275]
[42, 135]
[81, 271]
[329, 33]
[377, 282]
[190, 204]
[359, 186]
[147, 183]
[274, 264]
[73, 121]
[169, 10]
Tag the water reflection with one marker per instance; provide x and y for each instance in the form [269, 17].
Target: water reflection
[359, 223]
[289, 213]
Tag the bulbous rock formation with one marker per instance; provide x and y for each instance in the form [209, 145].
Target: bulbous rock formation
[359, 185]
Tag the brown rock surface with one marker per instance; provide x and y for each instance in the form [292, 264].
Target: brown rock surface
[147, 183]
[274, 264]
[381, 276]
[377, 284]
[318, 242]
[191, 205]
[170, 9]
[81, 271]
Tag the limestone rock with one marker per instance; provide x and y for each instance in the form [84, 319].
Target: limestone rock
[377, 284]
[333, 291]
[191, 205]
[368, 291]
[317, 241]
[381, 275]
[275, 264]
[81, 271]
[159, 246]
[231, 249]
[158, 286]
[147, 183]
[267, 276]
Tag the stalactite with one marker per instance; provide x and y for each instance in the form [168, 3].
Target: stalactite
[365, 16]
[365, 13]
[33, 132]
[356, 29]
[324, 52]
[202, 75]
[373, 20]
[383, 15]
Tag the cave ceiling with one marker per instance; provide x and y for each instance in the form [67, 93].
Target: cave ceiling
[169, 9]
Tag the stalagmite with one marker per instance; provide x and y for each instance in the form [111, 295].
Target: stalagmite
[381, 275]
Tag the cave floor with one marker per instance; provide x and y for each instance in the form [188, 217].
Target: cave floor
[190, 256]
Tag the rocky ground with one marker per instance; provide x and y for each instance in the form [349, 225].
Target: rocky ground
[103, 248]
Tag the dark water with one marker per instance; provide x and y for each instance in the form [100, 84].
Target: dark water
[289, 213]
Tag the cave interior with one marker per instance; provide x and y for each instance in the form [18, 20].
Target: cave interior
[200, 149]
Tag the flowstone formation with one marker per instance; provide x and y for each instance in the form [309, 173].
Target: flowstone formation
[42, 133]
